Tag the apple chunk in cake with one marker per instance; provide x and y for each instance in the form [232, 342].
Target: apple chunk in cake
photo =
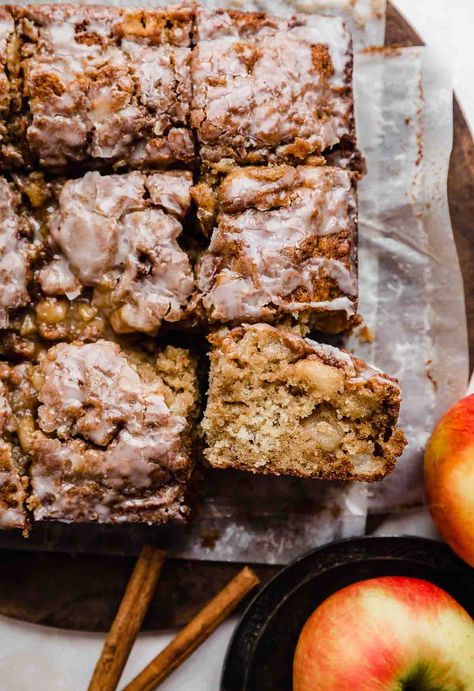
[271, 90]
[282, 404]
[112, 435]
[284, 242]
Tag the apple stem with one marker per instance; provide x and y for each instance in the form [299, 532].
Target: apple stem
[470, 386]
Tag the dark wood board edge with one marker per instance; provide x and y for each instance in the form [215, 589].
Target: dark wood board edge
[83, 592]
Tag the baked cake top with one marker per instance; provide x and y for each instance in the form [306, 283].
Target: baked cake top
[6, 30]
[119, 233]
[268, 89]
[109, 237]
[106, 84]
[112, 437]
[284, 241]
[12, 460]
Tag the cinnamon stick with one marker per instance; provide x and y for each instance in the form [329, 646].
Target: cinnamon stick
[128, 620]
[198, 629]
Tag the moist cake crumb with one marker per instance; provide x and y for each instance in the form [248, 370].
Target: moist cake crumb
[282, 404]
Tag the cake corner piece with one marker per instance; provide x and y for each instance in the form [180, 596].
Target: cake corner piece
[290, 82]
[111, 433]
[285, 405]
[106, 86]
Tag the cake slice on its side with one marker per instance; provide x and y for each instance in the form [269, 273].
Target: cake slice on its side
[111, 435]
[285, 405]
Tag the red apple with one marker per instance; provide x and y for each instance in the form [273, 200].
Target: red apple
[449, 477]
[386, 634]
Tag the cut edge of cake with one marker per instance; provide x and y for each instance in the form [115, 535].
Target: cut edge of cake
[281, 404]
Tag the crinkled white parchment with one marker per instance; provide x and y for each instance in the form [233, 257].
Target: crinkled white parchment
[411, 291]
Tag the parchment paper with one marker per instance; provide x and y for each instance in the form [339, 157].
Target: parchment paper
[410, 281]
[411, 296]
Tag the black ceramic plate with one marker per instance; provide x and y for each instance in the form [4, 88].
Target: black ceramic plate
[260, 654]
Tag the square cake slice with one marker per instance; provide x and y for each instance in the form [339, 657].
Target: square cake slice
[267, 89]
[106, 86]
[284, 244]
[113, 433]
[105, 250]
[285, 405]
[117, 234]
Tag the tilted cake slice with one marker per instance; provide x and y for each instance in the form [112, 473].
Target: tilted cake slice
[285, 405]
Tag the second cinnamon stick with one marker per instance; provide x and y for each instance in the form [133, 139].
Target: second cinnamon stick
[195, 632]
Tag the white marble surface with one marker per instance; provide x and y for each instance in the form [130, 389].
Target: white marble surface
[34, 658]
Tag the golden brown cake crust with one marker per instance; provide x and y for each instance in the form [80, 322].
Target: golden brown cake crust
[282, 404]
[284, 242]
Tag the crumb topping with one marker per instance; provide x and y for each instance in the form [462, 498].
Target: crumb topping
[107, 84]
[118, 234]
[270, 89]
[100, 421]
[284, 241]
[12, 480]
[14, 256]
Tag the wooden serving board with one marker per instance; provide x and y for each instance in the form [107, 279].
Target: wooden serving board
[83, 592]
